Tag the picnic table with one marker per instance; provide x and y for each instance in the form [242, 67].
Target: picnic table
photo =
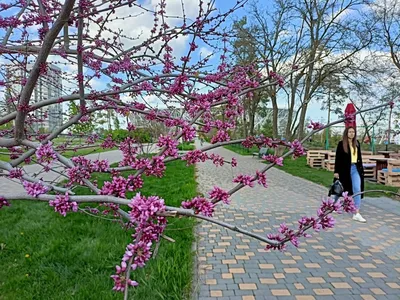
[380, 164]
[386, 154]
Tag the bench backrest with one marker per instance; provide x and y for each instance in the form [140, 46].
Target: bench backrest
[263, 151]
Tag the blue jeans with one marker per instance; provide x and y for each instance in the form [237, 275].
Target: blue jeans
[356, 183]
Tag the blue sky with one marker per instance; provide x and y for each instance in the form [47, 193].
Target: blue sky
[314, 108]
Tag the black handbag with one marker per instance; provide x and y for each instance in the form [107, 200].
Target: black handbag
[336, 188]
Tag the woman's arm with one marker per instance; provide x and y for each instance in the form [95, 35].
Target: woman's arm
[338, 158]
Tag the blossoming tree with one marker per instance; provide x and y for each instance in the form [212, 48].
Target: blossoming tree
[86, 37]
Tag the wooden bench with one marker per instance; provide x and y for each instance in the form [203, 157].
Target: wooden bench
[329, 165]
[315, 158]
[263, 151]
[370, 165]
[391, 175]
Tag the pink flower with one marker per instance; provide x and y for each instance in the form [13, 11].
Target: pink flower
[45, 153]
[108, 143]
[348, 203]
[62, 204]
[297, 148]
[262, 179]
[244, 179]
[218, 194]
[217, 160]
[120, 280]
[78, 174]
[391, 103]
[195, 156]
[117, 187]
[315, 125]
[200, 205]
[16, 173]
[142, 208]
[34, 188]
[221, 136]
[3, 202]
[273, 159]
[170, 145]
[234, 162]
[141, 253]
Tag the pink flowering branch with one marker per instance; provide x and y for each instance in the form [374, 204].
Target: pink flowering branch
[41, 60]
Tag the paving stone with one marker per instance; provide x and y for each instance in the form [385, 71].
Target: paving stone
[347, 254]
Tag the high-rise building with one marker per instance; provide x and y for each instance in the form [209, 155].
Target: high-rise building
[48, 86]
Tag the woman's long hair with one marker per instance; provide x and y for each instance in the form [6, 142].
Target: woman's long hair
[345, 139]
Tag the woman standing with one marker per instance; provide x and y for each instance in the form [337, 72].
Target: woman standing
[349, 168]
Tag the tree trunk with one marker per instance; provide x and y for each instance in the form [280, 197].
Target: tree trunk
[274, 117]
[302, 120]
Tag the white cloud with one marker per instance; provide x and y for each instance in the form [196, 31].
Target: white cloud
[139, 27]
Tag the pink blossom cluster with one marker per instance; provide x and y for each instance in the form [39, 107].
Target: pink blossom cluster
[3, 202]
[91, 139]
[45, 153]
[200, 205]
[348, 203]
[234, 162]
[145, 208]
[315, 125]
[220, 136]
[157, 168]
[170, 145]
[140, 252]
[34, 188]
[78, 175]
[108, 143]
[218, 194]
[117, 187]
[297, 149]
[62, 204]
[16, 173]
[278, 78]
[188, 132]
[149, 227]
[129, 152]
[273, 159]
[120, 280]
[195, 156]
[261, 179]
[217, 159]
[244, 179]
[323, 221]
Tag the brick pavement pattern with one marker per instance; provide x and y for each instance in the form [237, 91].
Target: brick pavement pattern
[351, 261]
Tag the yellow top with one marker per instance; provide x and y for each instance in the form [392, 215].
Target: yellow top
[353, 154]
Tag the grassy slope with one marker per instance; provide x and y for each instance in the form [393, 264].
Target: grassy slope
[73, 257]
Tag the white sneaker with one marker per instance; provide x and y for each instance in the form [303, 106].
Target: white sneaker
[357, 217]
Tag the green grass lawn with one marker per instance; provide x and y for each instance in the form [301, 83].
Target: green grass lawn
[85, 151]
[186, 146]
[46, 256]
[69, 153]
[299, 167]
[239, 149]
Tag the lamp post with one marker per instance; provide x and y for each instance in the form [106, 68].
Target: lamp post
[388, 136]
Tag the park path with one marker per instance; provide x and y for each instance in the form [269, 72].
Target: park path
[8, 186]
[351, 261]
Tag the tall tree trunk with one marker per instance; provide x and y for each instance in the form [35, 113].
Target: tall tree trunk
[274, 117]
[302, 120]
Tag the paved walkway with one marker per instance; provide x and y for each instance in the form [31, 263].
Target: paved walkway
[351, 261]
